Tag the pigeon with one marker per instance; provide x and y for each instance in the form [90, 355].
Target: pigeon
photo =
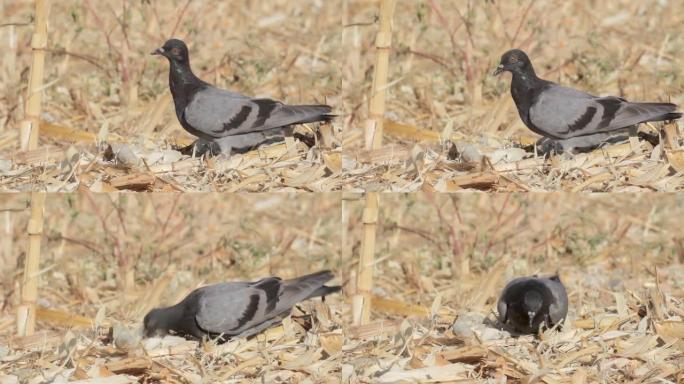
[528, 302]
[227, 121]
[573, 118]
[236, 309]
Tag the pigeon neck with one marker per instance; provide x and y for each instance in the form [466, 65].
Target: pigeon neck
[533, 301]
[525, 79]
[525, 89]
[168, 317]
[183, 83]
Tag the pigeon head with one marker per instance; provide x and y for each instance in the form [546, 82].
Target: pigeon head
[515, 61]
[532, 304]
[155, 323]
[175, 50]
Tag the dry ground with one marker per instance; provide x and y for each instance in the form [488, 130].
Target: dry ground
[441, 91]
[444, 259]
[102, 86]
[108, 259]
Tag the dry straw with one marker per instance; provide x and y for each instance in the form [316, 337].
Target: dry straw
[383, 44]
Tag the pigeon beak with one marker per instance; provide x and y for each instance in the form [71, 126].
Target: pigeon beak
[499, 70]
[531, 316]
[158, 51]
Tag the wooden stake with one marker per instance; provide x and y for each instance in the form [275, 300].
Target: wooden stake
[361, 306]
[28, 136]
[26, 312]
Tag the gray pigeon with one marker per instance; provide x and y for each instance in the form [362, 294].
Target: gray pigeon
[226, 120]
[573, 118]
[236, 309]
[528, 302]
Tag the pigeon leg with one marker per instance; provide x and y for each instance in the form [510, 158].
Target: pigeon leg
[201, 147]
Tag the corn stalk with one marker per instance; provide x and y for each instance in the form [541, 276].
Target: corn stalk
[373, 139]
[30, 127]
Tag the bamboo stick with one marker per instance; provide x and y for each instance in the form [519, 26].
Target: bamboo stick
[361, 305]
[26, 312]
[383, 45]
[30, 126]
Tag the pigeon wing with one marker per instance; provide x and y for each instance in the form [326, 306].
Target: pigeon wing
[502, 308]
[220, 113]
[237, 308]
[305, 287]
[627, 114]
[240, 308]
[564, 113]
[274, 114]
[229, 308]
[558, 309]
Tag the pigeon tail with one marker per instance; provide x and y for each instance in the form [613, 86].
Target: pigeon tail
[315, 282]
[672, 116]
[324, 291]
[659, 111]
[313, 113]
[320, 278]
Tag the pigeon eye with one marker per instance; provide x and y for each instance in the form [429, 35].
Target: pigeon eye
[176, 51]
[513, 59]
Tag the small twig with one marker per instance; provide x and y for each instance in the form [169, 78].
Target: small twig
[84, 243]
[456, 250]
[105, 228]
[86, 58]
[119, 211]
[522, 21]
[110, 45]
[424, 234]
[436, 59]
[497, 6]
[497, 226]
[445, 24]
[168, 218]
[180, 17]
[16, 24]
[361, 24]
[465, 21]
